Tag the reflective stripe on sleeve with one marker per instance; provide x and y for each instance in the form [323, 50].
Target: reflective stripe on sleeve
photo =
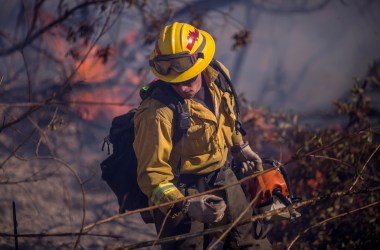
[160, 191]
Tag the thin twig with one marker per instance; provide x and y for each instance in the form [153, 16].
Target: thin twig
[350, 168]
[81, 187]
[26, 180]
[168, 213]
[53, 118]
[36, 8]
[57, 21]
[101, 33]
[15, 224]
[62, 88]
[335, 195]
[364, 166]
[61, 235]
[17, 148]
[91, 226]
[42, 135]
[346, 137]
[233, 224]
[239, 218]
[27, 75]
[31, 104]
[332, 159]
[328, 220]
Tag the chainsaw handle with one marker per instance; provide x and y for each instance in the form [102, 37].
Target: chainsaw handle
[278, 193]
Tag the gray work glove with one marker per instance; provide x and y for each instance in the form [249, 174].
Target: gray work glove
[249, 160]
[206, 208]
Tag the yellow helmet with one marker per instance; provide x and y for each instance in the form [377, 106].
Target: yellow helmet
[181, 53]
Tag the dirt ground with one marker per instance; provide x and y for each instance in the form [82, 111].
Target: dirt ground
[53, 194]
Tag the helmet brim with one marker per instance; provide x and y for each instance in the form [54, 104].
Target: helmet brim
[201, 63]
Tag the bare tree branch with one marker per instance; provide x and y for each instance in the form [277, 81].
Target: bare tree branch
[364, 166]
[253, 218]
[91, 103]
[91, 226]
[30, 38]
[17, 148]
[42, 235]
[234, 223]
[328, 220]
[67, 81]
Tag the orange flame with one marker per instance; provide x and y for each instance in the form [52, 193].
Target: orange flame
[100, 109]
[93, 69]
[98, 66]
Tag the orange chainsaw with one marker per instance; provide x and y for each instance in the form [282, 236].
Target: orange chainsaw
[272, 190]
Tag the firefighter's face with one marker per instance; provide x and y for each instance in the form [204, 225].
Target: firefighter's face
[190, 88]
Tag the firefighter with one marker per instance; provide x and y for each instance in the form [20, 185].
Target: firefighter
[169, 171]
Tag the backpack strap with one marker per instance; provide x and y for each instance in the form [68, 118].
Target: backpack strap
[223, 81]
[165, 94]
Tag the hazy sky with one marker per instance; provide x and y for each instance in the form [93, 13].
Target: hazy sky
[302, 61]
[299, 61]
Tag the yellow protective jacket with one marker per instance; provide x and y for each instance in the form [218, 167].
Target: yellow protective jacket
[203, 149]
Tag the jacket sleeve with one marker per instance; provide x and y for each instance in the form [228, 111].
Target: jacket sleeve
[153, 145]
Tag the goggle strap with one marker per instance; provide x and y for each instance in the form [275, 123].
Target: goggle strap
[171, 56]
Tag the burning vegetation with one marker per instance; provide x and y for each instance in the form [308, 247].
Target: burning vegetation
[66, 76]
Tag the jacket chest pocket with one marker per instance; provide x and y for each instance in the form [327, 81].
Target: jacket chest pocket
[198, 140]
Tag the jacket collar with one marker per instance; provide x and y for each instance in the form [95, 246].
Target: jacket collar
[210, 74]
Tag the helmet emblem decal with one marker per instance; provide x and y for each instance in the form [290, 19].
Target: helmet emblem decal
[191, 38]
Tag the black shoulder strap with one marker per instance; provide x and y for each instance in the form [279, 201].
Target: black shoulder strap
[164, 93]
[224, 83]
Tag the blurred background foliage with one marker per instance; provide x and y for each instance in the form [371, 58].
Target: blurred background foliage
[337, 152]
